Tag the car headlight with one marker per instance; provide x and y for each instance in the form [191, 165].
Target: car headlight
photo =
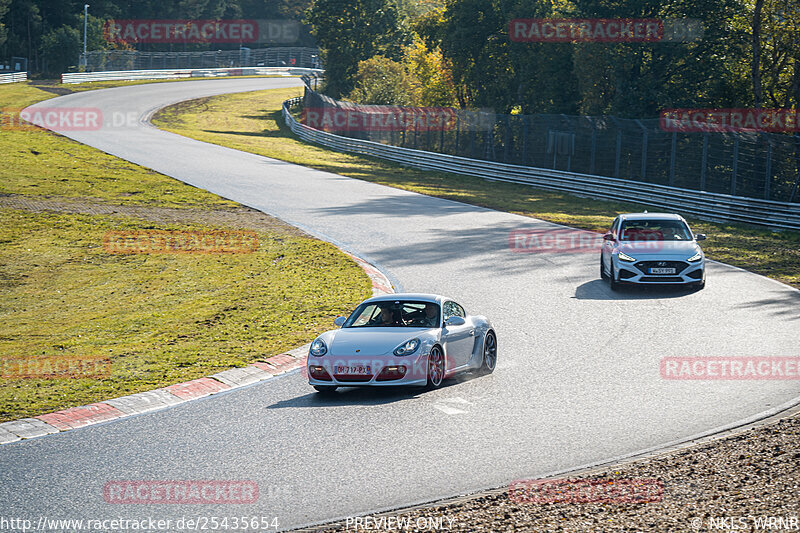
[626, 257]
[407, 347]
[696, 257]
[318, 348]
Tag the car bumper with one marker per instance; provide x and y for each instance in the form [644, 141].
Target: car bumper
[383, 371]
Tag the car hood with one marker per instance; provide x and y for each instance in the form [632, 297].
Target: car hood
[642, 249]
[373, 341]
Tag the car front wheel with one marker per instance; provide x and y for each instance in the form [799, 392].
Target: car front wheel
[489, 354]
[613, 279]
[603, 274]
[435, 368]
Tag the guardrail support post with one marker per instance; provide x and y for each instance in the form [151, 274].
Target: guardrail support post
[672, 159]
[458, 133]
[768, 170]
[524, 139]
[797, 166]
[735, 165]
[644, 150]
[506, 138]
[704, 163]
[441, 137]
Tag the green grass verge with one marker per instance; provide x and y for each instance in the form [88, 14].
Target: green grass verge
[252, 122]
[159, 318]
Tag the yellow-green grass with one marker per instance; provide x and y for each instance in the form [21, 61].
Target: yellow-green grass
[40, 163]
[252, 122]
[160, 319]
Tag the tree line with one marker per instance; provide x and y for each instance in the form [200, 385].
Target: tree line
[459, 53]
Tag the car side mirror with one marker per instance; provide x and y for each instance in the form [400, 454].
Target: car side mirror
[700, 237]
[608, 237]
[455, 321]
[340, 320]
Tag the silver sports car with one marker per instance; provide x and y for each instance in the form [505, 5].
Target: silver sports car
[402, 339]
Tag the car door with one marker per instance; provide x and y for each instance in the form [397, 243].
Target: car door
[458, 340]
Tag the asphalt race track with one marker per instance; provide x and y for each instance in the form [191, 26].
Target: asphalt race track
[577, 380]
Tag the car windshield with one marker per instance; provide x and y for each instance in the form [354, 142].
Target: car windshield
[395, 314]
[655, 230]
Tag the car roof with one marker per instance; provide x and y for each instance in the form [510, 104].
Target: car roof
[650, 216]
[420, 297]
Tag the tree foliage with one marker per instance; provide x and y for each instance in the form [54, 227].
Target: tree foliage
[382, 81]
[351, 31]
[460, 51]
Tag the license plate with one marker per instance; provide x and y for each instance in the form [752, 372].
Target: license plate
[662, 270]
[355, 370]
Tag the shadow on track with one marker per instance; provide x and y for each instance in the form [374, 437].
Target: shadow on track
[363, 396]
[598, 289]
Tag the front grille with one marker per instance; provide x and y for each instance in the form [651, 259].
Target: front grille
[645, 266]
[661, 279]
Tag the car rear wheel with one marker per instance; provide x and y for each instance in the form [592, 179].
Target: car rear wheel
[489, 353]
[435, 368]
[325, 389]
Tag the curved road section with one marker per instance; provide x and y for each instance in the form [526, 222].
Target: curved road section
[577, 382]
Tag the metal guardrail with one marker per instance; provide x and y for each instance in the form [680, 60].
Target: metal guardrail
[169, 74]
[13, 77]
[705, 205]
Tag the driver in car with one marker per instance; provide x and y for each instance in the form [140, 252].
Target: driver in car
[386, 318]
[426, 318]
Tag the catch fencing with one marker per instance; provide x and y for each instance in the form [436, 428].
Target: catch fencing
[702, 204]
[747, 164]
[113, 60]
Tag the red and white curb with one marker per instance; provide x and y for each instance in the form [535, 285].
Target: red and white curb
[143, 402]
[380, 283]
